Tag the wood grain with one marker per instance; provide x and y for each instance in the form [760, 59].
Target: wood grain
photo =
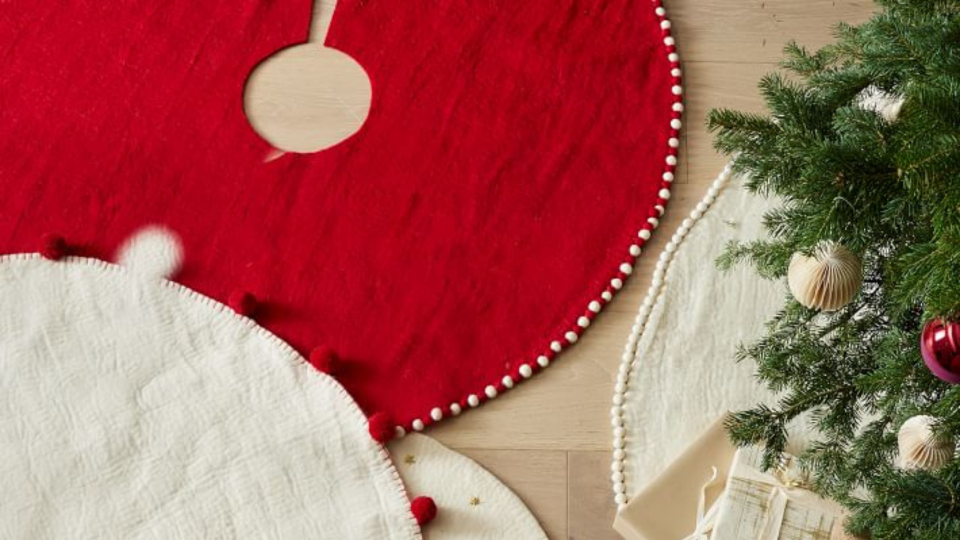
[550, 441]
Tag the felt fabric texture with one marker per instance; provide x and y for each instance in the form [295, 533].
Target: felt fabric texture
[512, 153]
[131, 407]
[472, 503]
[685, 375]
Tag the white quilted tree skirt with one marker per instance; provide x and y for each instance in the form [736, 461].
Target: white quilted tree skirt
[679, 374]
[134, 408]
[474, 504]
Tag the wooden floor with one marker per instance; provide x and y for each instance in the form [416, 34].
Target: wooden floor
[550, 441]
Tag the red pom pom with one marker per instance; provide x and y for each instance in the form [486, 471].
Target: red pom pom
[325, 360]
[53, 247]
[382, 428]
[424, 509]
[243, 303]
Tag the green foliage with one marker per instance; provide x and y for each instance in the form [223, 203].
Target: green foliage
[889, 191]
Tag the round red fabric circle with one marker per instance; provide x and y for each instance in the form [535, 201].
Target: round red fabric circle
[482, 216]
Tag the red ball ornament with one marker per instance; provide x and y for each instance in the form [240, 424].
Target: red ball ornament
[940, 347]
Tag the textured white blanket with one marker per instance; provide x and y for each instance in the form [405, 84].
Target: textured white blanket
[683, 375]
[132, 408]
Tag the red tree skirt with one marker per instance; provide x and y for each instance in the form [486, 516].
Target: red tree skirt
[483, 215]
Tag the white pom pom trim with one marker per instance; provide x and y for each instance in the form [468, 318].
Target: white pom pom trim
[629, 359]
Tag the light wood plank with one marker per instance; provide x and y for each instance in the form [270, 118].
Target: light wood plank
[716, 85]
[590, 509]
[755, 31]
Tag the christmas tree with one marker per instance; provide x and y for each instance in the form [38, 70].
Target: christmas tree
[862, 146]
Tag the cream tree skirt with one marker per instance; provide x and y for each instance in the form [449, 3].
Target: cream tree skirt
[680, 369]
[474, 504]
[131, 408]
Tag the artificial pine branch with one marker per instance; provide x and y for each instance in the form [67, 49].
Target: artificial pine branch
[889, 190]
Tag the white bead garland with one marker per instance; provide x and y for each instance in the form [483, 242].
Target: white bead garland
[473, 400]
[418, 425]
[455, 409]
[490, 391]
[436, 414]
[628, 360]
[526, 371]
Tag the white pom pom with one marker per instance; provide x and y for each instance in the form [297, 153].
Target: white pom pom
[883, 103]
[153, 252]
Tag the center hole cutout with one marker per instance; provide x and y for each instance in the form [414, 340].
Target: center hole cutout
[308, 97]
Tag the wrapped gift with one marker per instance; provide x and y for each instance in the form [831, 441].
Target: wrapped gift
[715, 492]
[772, 506]
[667, 508]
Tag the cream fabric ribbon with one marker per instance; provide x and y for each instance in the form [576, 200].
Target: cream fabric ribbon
[705, 518]
[776, 510]
[776, 503]
[781, 485]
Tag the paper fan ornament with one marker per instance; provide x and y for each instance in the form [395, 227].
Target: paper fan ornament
[513, 162]
[140, 405]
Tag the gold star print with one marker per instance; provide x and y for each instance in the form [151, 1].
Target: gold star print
[475, 501]
[410, 459]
